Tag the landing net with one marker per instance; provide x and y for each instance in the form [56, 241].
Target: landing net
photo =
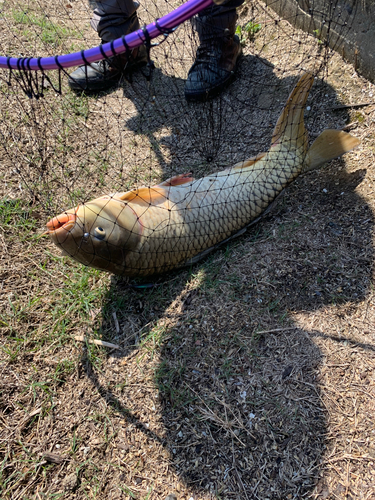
[62, 148]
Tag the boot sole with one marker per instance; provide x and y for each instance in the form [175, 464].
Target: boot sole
[104, 84]
[212, 92]
[92, 87]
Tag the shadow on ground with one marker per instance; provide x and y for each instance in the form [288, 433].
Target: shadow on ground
[215, 384]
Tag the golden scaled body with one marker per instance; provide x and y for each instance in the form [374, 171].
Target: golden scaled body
[153, 230]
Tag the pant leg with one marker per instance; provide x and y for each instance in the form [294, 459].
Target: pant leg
[217, 20]
[114, 18]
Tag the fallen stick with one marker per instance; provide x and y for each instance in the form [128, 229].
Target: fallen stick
[279, 330]
[82, 338]
[272, 331]
[348, 106]
[117, 326]
[26, 420]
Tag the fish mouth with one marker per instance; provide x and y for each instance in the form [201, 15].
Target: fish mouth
[63, 222]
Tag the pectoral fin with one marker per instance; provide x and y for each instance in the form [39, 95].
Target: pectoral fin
[329, 145]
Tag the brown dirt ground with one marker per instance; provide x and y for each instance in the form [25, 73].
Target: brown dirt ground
[249, 376]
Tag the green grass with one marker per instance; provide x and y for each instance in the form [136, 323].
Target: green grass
[16, 216]
[317, 34]
[70, 108]
[42, 27]
[168, 380]
[128, 491]
[62, 303]
[248, 31]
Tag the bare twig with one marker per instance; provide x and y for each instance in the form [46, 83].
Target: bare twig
[348, 106]
[82, 338]
[117, 326]
[272, 331]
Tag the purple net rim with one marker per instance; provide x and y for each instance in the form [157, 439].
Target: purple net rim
[133, 40]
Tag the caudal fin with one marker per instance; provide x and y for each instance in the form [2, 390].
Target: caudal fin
[290, 125]
[329, 145]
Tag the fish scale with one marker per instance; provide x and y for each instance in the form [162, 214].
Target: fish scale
[152, 230]
[216, 217]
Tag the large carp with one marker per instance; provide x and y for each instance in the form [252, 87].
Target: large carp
[156, 229]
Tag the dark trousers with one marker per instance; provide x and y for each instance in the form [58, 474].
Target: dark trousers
[114, 18]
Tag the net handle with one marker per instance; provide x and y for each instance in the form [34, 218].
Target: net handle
[131, 41]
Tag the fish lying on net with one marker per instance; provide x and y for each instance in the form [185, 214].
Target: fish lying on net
[156, 229]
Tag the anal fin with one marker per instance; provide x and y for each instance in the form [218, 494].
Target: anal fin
[329, 145]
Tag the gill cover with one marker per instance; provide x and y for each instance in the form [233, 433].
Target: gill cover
[97, 234]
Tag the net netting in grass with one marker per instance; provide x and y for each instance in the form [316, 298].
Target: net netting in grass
[138, 179]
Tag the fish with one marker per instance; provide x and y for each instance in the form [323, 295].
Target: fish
[153, 230]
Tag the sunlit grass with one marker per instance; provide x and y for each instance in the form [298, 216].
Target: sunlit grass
[34, 25]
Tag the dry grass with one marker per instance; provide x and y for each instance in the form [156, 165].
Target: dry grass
[249, 376]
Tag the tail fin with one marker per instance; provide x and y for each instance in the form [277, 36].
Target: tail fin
[329, 145]
[290, 125]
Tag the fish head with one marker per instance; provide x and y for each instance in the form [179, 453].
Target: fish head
[98, 234]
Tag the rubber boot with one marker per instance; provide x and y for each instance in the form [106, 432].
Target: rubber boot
[105, 74]
[216, 57]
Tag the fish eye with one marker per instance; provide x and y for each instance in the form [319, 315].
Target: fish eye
[99, 233]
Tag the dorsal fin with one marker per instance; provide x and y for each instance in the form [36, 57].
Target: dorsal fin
[177, 180]
[249, 162]
[156, 194]
[144, 195]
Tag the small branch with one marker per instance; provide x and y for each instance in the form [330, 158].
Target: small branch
[272, 331]
[348, 106]
[117, 326]
[82, 338]
[26, 420]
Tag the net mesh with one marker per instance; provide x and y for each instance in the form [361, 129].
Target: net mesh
[61, 149]
[247, 376]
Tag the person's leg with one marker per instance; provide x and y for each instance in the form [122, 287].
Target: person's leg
[217, 53]
[111, 19]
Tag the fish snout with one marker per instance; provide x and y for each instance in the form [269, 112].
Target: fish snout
[63, 222]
